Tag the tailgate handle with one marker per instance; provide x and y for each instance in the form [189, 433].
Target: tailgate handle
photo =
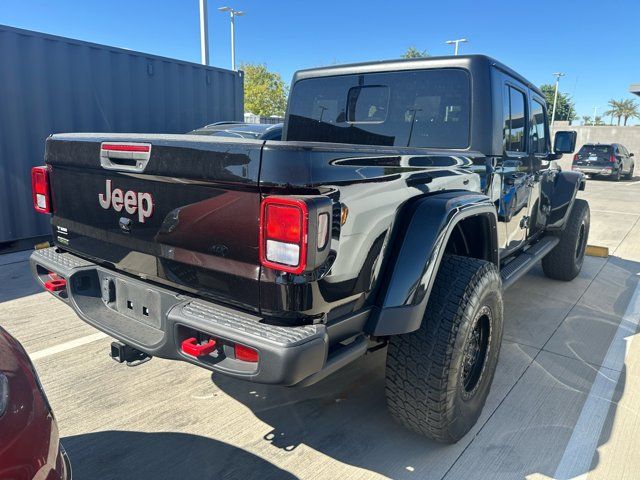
[129, 156]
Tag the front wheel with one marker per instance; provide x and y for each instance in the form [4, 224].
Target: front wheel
[439, 376]
[565, 261]
[630, 174]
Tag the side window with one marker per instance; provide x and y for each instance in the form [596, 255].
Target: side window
[514, 114]
[538, 128]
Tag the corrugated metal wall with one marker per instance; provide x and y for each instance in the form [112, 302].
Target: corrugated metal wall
[53, 84]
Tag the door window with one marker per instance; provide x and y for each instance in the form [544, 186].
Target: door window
[538, 128]
[514, 114]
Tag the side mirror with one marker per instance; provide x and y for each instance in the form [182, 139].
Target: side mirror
[565, 142]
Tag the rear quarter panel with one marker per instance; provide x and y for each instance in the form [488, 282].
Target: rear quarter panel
[374, 184]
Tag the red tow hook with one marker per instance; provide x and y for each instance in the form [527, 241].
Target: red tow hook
[190, 346]
[56, 285]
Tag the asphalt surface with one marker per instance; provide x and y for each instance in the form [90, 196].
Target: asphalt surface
[565, 400]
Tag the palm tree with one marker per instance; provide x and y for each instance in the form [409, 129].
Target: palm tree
[629, 110]
[597, 121]
[586, 119]
[616, 110]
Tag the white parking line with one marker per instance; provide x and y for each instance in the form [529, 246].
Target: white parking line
[617, 213]
[579, 451]
[78, 342]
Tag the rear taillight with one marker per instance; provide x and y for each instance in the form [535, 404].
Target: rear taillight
[613, 159]
[294, 233]
[40, 189]
[576, 157]
[284, 224]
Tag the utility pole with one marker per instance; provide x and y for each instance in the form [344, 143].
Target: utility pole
[595, 112]
[555, 97]
[204, 33]
[456, 44]
[233, 14]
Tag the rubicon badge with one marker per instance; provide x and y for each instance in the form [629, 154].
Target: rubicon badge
[130, 201]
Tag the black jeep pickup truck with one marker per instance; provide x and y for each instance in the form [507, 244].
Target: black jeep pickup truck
[404, 197]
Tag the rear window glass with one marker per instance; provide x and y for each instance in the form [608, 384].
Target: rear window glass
[586, 149]
[367, 104]
[422, 108]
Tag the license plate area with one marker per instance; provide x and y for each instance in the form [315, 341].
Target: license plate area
[137, 302]
[124, 296]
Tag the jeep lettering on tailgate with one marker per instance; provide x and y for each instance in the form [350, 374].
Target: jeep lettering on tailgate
[131, 201]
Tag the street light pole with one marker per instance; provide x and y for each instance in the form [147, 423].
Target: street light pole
[595, 112]
[555, 97]
[456, 44]
[233, 14]
[204, 33]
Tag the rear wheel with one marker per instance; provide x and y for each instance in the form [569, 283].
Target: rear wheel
[439, 376]
[565, 261]
[616, 177]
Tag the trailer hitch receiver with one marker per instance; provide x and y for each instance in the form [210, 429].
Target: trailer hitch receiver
[122, 353]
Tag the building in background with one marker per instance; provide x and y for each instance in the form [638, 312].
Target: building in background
[253, 118]
[635, 89]
[51, 84]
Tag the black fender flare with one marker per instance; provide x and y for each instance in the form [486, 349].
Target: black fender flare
[565, 189]
[425, 226]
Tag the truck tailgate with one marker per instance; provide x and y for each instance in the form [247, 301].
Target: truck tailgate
[180, 210]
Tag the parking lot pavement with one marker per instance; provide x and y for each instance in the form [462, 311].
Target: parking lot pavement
[564, 403]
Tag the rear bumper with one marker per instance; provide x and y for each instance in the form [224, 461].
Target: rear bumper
[156, 320]
[605, 171]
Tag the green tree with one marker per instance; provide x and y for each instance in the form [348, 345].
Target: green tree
[264, 92]
[565, 109]
[616, 109]
[586, 120]
[413, 52]
[598, 122]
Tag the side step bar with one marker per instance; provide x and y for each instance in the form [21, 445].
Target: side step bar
[520, 265]
[342, 357]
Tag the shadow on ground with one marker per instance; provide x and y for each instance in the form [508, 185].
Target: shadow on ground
[16, 281]
[126, 455]
[345, 415]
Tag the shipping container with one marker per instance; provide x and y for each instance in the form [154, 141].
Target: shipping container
[51, 84]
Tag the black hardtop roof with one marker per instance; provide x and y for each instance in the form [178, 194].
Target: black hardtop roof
[469, 62]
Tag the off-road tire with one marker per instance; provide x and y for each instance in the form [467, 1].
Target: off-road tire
[565, 261]
[426, 371]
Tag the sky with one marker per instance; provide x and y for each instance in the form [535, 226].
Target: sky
[595, 43]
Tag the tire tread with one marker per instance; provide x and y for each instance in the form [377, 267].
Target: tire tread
[418, 363]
